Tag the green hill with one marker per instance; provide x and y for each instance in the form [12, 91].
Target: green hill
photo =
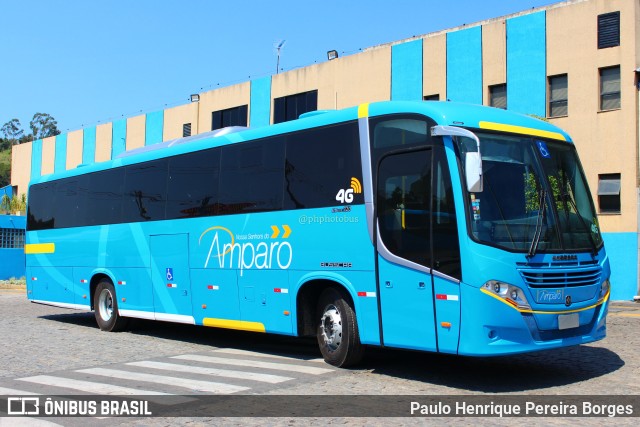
[5, 167]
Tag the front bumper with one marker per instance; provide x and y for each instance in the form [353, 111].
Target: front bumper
[490, 326]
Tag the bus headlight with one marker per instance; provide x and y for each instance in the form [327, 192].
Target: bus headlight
[509, 293]
[604, 289]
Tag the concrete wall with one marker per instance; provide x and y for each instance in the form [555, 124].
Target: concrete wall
[104, 134]
[435, 66]
[221, 99]
[21, 166]
[175, 117]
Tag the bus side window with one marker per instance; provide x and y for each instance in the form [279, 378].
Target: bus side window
[145, 191]
[193, 184]
[252, 176]
[319, 163]
[104, 197]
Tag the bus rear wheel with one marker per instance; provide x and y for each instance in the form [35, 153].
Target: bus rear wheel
[106, 308]
[337, 331]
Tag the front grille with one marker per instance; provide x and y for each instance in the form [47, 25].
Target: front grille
[561, 279]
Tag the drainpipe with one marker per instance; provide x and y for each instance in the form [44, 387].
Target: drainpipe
[637, 81]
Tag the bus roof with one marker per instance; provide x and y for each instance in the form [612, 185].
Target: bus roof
[443, 113]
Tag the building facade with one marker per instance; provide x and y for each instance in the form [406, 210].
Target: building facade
[574, 63]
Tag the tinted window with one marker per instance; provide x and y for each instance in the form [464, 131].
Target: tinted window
[252, 176]
[291, 107]
[192, 188]
[104, 197]
[230, 117]
[145, 191]
[404, 190]
[398, 131]
[446, 247]
[69, 202]
[40, 203]
[321, 162]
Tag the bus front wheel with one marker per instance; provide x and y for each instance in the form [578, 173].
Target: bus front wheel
[106, 308]
[337, 331]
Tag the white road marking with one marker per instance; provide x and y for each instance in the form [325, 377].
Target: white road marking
[174, 367]
[255, 364]
[197, 385]
[90, 387]
[14, 392]
[270, 356]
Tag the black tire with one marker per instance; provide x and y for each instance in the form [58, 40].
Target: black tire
[106, 308]
[337, 330]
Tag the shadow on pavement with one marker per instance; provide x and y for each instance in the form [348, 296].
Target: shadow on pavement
[518, 373]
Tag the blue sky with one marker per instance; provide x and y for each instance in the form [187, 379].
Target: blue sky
[90, 62]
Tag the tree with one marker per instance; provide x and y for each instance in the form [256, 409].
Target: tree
[43, 125]
[12, 130]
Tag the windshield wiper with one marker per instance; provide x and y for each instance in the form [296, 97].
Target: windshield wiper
[539, 221]
[567, 197]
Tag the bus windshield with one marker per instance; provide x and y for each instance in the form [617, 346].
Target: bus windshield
[535, 196]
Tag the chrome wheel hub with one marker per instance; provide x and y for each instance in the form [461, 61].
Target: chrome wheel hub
[105, 305]
[331, 327]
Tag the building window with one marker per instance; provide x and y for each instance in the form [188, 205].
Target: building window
[608, 30]
[236, 116]
[558, 96]
[292, 106]
[498, 96]
[186, 129]
[609, 193]
[11, 238]
[610, 88]
[434, 97]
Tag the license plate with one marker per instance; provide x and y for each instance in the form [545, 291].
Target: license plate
[568, 321]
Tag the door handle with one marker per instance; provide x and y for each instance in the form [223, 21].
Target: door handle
[421, 285]
[388, 284]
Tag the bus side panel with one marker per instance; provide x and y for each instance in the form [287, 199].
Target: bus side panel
[215, 295]
[81, 286]
[133, 289]
[264, 298]
[52, 284]
[361, 286]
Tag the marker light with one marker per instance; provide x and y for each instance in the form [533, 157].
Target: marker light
[604, 290]
[509, 293]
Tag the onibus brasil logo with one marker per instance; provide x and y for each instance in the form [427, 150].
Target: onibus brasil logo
[247, 251]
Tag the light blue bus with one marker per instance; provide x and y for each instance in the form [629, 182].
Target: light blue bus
[432, 226]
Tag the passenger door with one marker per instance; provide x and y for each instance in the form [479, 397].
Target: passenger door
[418, 251]
[170, 277]
[404, 252]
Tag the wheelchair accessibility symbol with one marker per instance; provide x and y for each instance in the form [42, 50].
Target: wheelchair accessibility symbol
[544, 151]
[169, 273]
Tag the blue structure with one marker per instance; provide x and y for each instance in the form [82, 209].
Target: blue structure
[406, 71]
[464, 65]
[12, 258]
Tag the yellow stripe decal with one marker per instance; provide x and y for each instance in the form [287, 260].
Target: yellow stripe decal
[523, 130]
[240, 325]
[363, 110]
[39, 248]
[491, 294]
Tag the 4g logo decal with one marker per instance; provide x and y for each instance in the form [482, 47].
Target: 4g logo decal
[346, 195]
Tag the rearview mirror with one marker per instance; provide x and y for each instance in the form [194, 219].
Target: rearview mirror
[472, 159]
[473, 171]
